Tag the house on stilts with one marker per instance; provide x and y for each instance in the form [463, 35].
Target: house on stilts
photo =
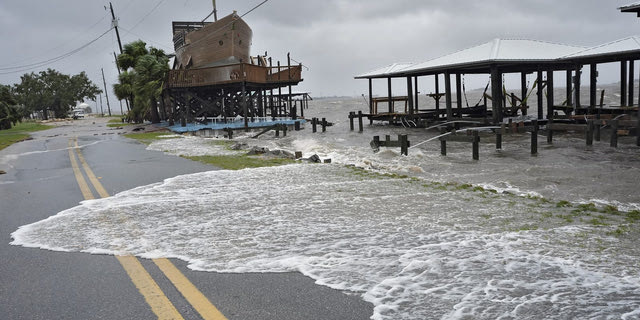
[215, 83]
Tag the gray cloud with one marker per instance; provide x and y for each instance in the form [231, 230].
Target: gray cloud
[336, 39]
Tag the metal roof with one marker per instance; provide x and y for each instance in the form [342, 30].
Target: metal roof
[390, 69]
[516, 53]
[632, 7]
[617, 47]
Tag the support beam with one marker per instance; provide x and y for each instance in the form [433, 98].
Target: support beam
[569, 88]
[623, 83]
[631, 78]
[447, 93]
[370, 96]
[437, 85]
[389, 95]
[410, 94]
[496, 94]
[577, 83]
[540, 95]
[459, 94]
[550, 97]
[523, 91]
[416, 93]
[593, 75]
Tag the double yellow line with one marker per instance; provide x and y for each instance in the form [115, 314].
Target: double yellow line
[157, 300]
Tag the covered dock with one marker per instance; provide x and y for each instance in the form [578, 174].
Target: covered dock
[498, 58]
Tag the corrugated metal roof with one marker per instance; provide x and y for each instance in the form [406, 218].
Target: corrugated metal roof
[614, 47]
[630, 6]
[497, 50]
[392, 68]
[509, 51]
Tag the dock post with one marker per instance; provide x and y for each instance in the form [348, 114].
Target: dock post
[534, 137]
[324, 124]
[443, 147]
[590, 132]
[277, 128]
[550, 131]
[387, 140]
[360, 121]
[296, 126]
[351, 115]
[499, 140]
[476, 145]
[314, 123]
[284, 130]
[614, 133]
[597, 127]
[404, 144]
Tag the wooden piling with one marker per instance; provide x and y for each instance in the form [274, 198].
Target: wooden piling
[476, 145]
[351, 116]
[499, 139]
[550, 130]
[534, 137]
[589, 135]
[324, 124]
[443, 147]
[597, 128]
[360, 121]
[314, 124]
[404, 144]
[614, 133]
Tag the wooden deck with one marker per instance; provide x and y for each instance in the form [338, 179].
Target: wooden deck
[235, 74]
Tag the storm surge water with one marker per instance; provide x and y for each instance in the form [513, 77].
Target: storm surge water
[421, 236]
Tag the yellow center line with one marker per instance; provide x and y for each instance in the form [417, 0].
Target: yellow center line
[198, 300]
[84, 187]
[152, 293]
[159, 303]
[92, 177]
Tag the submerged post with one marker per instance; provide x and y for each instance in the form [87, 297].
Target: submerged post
[589, 135]
[476, 145]
[534, 137]
[614, 133]
[314, 123]
[360, 121]
[351, 116]
[550, 130]
[443, 147]
[324, 124]
[404, 144]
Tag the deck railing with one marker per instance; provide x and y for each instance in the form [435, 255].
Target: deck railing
[234, 73]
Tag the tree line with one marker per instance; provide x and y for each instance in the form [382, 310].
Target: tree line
[45, 92]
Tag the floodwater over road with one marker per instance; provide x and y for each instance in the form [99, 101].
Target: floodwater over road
[422, 236]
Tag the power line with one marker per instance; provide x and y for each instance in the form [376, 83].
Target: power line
[60, 45]
[37, 65]
[147, 15]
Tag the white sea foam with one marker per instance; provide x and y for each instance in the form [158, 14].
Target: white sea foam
[413, 249]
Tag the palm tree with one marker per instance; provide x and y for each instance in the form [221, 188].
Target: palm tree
[145, 72]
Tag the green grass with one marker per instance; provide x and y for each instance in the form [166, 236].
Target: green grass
[240, 162]
[117, 122]
[148, 137]
[19, 133]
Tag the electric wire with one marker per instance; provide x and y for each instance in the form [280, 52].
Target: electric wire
[148, 14]
[37, 65]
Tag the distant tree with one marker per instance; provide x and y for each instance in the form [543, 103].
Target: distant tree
[53, 91]
[141, 81]
[10, 113]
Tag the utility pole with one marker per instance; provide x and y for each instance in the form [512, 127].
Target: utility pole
[106, 93]
[101, 112]
[114, 24]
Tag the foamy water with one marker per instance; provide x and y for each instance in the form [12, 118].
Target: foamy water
[454, 239]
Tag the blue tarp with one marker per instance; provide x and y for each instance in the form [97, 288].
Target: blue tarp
[234, 124]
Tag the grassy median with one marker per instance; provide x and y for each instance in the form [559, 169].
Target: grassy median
[19, 132]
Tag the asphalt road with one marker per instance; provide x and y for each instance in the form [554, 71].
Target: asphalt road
[41, 284]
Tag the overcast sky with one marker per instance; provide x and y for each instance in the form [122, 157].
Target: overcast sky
[335, 39]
